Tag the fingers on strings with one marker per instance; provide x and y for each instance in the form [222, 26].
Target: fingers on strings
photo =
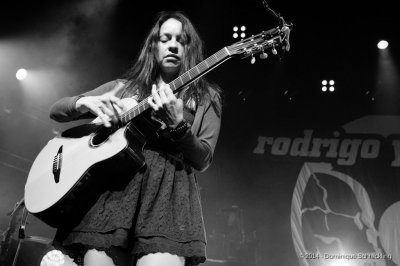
[161, 98]
[108, 109]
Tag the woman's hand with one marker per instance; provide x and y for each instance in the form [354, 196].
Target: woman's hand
[167, 106]
[106, 107]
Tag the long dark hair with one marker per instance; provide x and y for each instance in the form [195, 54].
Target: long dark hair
[145, 70]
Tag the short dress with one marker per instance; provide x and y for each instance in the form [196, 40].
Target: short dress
[158, 211]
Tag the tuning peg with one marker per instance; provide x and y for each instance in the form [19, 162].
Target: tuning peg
[263, 55]
[253, 59]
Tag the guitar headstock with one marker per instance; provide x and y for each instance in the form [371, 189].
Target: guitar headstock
[276, 39]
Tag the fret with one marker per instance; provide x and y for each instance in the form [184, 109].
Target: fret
[124, 119]
[195, 72]
[183, 78]
[188, 74]
[172, 85]
[214, 56]
[208, 63]
[178, 83]
[146, 105]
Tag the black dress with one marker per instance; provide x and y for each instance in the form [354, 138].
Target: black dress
[158, 211]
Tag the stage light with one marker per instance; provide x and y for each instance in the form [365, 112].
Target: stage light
[236, 32]
[21, 74]
[243, 30]
[325, 83]
[383, 44]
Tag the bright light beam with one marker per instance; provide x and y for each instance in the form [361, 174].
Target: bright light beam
[387, 84]
[382, 44]
[21, 74]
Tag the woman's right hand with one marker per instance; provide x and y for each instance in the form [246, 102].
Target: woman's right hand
[106, 107]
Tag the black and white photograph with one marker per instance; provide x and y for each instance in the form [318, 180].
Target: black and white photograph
[199, 133]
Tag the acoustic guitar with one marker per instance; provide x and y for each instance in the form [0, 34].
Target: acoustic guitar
[71, 171]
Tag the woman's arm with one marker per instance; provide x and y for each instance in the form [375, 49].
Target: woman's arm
[65, 109]
[198, 147]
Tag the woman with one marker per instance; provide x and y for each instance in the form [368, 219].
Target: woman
[157, 217]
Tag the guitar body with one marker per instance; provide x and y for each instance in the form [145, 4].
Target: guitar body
[73, 169]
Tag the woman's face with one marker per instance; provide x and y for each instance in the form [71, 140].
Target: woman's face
[170, 47]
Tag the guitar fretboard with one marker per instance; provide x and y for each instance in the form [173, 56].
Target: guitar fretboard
[182, 81]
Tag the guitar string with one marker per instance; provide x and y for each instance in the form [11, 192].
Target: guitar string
[253, 40]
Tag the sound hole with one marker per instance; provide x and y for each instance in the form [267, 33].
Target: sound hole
[100, 136]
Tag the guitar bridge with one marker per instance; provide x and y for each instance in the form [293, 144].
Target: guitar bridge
[57, 162]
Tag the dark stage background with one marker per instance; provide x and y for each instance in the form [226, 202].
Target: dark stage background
[296, 173]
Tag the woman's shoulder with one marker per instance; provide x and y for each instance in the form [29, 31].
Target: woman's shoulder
[214, 97]
[120, 83]
[214, 94]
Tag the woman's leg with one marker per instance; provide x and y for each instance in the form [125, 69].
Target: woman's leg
[97, 258]
[55, 257]
[161, 259]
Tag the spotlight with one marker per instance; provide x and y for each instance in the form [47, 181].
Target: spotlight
[325, 83]
[237, 33]
[21, 74]
[383, 44]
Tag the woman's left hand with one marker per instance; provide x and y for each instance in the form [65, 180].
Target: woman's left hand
[167, 106]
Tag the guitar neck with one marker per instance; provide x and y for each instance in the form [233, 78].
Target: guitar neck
[182, 81]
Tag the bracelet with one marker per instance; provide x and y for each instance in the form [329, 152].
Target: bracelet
[180, 130]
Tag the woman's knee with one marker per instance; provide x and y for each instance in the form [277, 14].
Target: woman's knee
[56, 257]
[94, 257]
[161, 259]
